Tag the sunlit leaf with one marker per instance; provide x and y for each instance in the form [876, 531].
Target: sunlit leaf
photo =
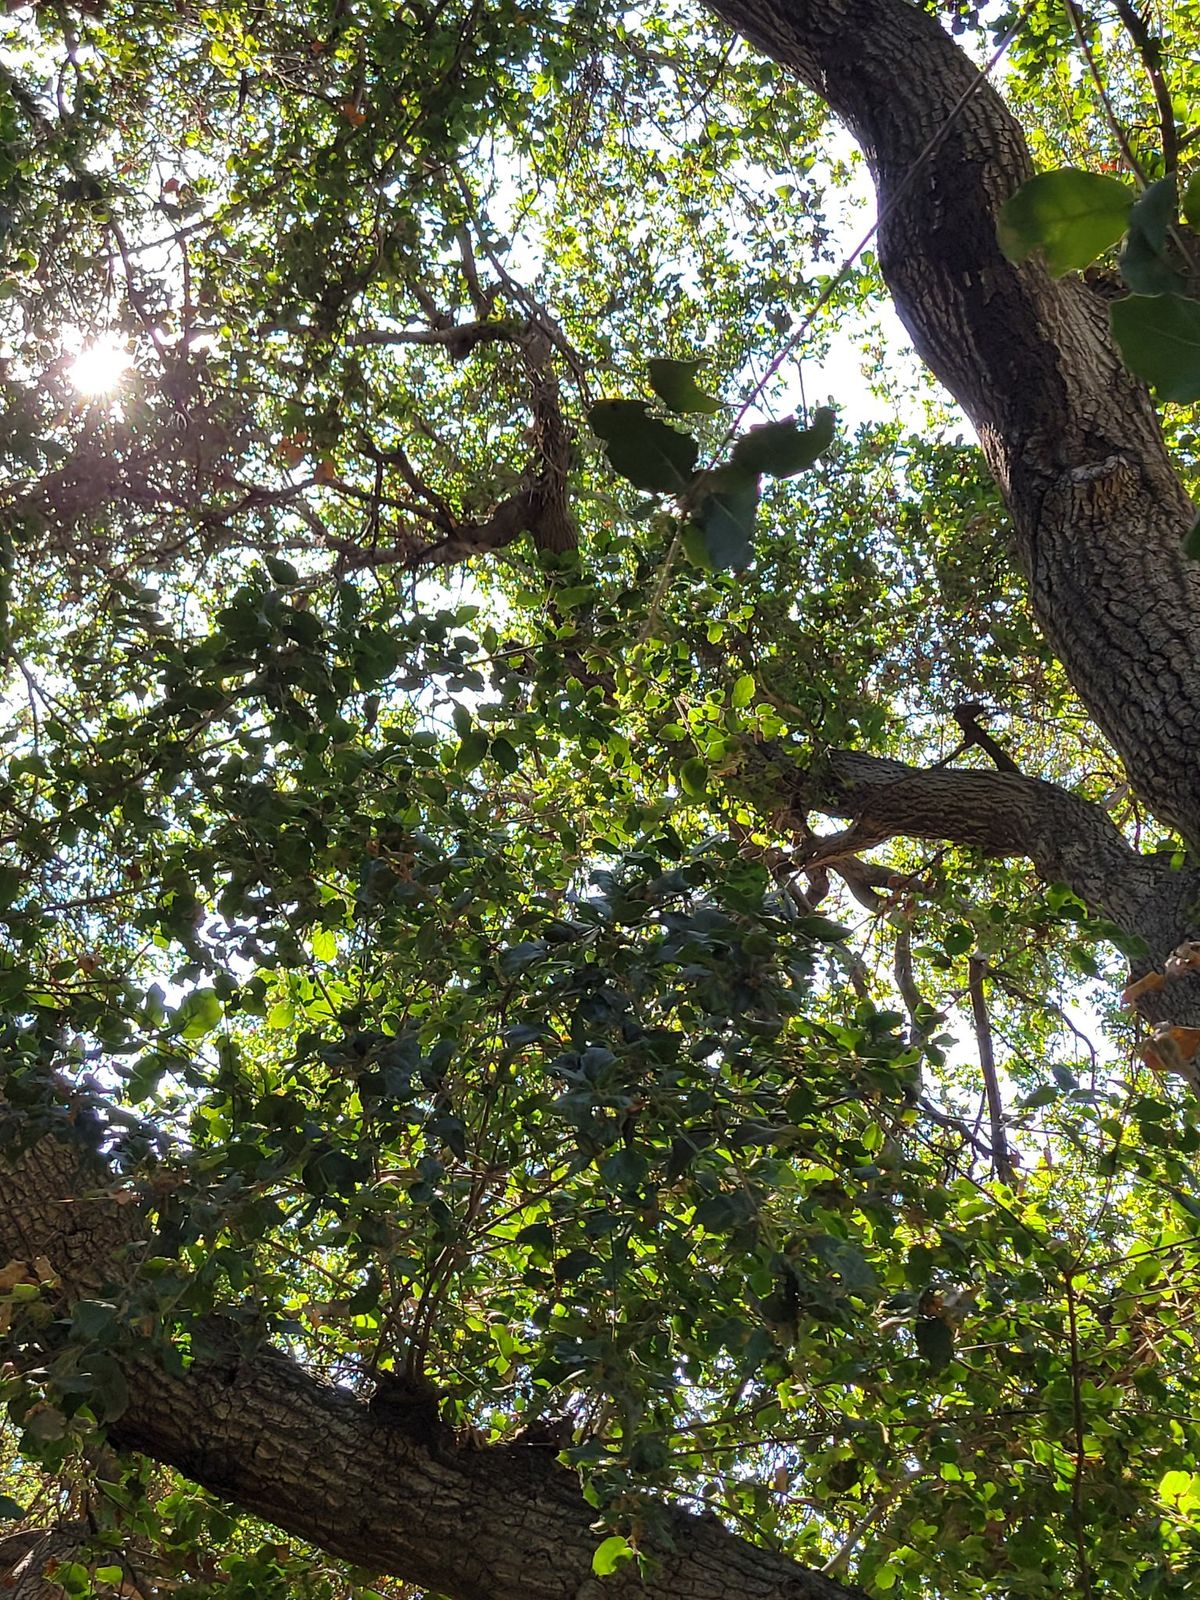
[1072, 216]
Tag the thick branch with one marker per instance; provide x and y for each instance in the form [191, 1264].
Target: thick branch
[502, 1523]
[1098, 514]
[1001, 814]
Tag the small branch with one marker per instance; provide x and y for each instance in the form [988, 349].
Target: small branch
[1114, 124]
[1002, 1164]
[1149, 50]
[1077, 1518]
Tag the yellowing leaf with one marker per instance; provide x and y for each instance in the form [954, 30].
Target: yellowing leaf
[610, 1553]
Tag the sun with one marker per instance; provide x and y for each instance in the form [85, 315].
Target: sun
[100, 365]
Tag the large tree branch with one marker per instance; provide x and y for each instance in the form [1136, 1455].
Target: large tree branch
[1001, 814]
[1098, 514]
[394, 1495]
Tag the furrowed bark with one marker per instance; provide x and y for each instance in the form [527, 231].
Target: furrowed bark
[499, 1523]
[1071, 436]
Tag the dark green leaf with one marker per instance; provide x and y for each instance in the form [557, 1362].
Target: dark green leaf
[1154, 212]
[693, 777]
[784, 448]
[674, 382]
[1159, 337]
[935, 1342]
[725, 514]
[518, 957]
[642, 449]
[283, 572]
[821, 928]
[1143, 261]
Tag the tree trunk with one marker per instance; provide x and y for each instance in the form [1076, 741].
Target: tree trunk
[1072, 437]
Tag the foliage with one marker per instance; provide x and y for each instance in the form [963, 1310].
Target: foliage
[422, 943]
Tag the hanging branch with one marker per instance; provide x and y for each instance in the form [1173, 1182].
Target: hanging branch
[1002, 1164]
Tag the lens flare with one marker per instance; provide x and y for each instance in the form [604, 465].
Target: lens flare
[99, 366]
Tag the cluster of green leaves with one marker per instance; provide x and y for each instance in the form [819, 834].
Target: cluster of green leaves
[421, 954]
[719, 504]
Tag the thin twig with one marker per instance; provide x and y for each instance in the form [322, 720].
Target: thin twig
[1118, 132]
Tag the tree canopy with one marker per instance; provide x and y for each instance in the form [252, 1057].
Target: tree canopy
[600, 913]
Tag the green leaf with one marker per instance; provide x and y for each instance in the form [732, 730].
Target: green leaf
[282, 572]
[935, 1342]
[471, 750]
[1154, 212]
[518, 957]
[821, 928]
[610, 1553]
[1072, 216]
[959, 939]
[505, 755]
[1189, 201]
[1044, 1096]
[199, 1014]
[693, 777]
[1159, 337]
[1143, 263]
[94, 1320]
[783, 448]
[625, 1170]
[10, 1509]
[743, 691]
[651, 455]
[725, 514]
[1146, 270]
[674, 382]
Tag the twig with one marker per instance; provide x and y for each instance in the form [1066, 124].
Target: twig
[1118, 132]
[1149, 50]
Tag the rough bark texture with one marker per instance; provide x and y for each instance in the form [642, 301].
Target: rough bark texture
[1000, 814]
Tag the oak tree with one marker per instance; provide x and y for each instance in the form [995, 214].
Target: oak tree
[598, 961]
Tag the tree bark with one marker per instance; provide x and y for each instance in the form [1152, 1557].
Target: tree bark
[1000, 814]
[1072, 437]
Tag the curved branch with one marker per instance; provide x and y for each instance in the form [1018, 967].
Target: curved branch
[394, 1494]
[1072, 437]
[1001, 814]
